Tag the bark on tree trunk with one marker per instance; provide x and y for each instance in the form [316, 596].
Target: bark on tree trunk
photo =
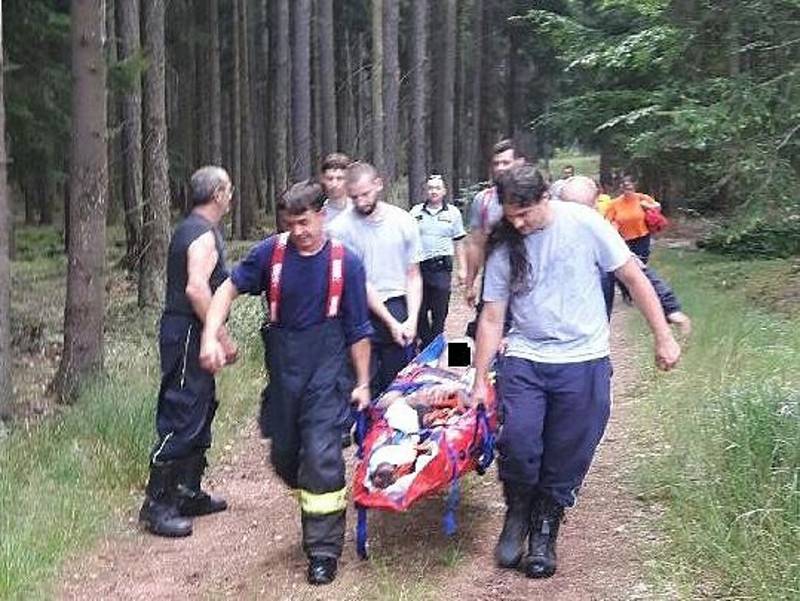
[282, 97]
[448, 91]
[327, 76]
[6, 385]
[418, 75]
[476, 151]
[236, 122]
[377, 85]
[155, 176]
[85, 305]
[301, 90]
[248, 197]
[391, 89]
[130, 103]
[214, 84]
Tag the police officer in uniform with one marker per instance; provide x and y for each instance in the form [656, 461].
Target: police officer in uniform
[186, 399]
[441, 229]
[318, 309]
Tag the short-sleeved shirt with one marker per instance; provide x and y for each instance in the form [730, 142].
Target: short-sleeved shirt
[304, 287]
[485, 211]
[387, 246]
[438, 228]
[562, 317]
[332, 212]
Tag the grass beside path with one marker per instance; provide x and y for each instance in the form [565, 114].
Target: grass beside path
[72, 477]
[728, 471]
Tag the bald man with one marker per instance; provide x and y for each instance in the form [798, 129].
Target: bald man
[583, 190]
[187, 396]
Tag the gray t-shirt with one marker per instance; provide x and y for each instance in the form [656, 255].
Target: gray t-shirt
[437, 229]
[485, 210]
[332, 211]
[562, 318]
[387, 246]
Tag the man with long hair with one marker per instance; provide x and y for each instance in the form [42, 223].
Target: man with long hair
[543, 264]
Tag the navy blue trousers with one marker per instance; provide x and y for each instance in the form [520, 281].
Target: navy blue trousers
[387, 357]
[554, 416]
[666, 296]
[187, 397]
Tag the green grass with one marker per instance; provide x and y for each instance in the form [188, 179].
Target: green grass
[79, 474]
[588, 165]
[728, 471]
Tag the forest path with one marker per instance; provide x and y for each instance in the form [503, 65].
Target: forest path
[252, 551]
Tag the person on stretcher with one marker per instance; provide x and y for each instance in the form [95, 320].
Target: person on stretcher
[439, 399]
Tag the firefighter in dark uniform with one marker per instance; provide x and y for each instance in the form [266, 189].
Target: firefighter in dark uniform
[441, 230]
[318, 308]
[186, 399]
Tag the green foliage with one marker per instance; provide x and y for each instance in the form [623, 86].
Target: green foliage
[728, 470]
[36, 40]
[701, 98]
[64, 482]
[772, 236]
[124, 75]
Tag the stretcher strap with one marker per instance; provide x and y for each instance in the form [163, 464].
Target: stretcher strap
[335, 278]
[361, 532]
[487, 440]
[362, 423]
[449, 523]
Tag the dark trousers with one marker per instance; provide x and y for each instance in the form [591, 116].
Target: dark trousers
[434, 307]
[305, 404]
[187, 396]
[666, 296]
[387, 357]
[640, 247]
[554, 417]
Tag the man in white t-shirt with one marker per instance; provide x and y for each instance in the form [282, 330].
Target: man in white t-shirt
[387, 241]
[544, 266]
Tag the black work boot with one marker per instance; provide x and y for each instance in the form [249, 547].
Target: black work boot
[159, 513]
[321, 569]
[545, 520]
[193, 500]
[511, 545]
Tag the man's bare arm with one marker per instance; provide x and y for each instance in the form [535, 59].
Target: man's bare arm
[667, 349]
[201, 258]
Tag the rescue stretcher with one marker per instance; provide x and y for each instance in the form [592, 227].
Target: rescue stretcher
[402, 460]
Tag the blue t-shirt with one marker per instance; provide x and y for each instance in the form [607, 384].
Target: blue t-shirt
[562, 317]
[304, 287]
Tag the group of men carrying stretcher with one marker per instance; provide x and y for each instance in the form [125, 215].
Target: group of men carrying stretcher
[353, 284]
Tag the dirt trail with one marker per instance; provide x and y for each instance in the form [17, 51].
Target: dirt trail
[252, 551]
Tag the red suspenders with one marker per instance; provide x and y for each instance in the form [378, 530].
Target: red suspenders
[335, 277]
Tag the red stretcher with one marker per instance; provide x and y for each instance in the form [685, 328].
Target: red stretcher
[451, 441]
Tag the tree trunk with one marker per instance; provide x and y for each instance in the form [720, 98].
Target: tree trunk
[418, 75]
[301, 90]
[248, 197]
[130, 106]
[113, 196]
[391, 89]
[448, 91]
[6, 385]
[155, 175]
[327, 76]
[488, 89]
[187, 119]
[346, 102]
[281, 97]
[85, 306]
[377, 85]
[236, 121]
[214, 84]
[475, 149]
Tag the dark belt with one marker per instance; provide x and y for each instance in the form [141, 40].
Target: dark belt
[436, 264]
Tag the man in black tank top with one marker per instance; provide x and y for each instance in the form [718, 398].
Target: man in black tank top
[186, 399]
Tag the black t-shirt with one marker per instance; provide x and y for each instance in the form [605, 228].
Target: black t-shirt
[189, 230]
